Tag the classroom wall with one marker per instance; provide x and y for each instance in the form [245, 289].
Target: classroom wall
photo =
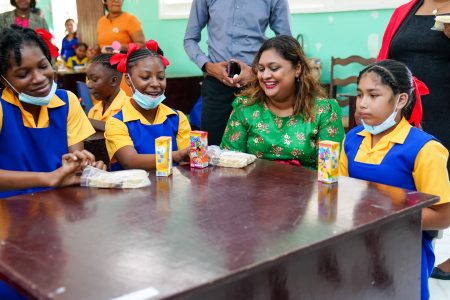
[325, 34]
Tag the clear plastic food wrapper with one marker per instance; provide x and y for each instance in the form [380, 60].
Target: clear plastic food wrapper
[126, 179]
[229, 159]
[440, 22]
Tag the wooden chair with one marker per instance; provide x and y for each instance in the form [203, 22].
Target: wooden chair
[335, 83]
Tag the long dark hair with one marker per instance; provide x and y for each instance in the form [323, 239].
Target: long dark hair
[307, 88]
[398, 77]
[32, 3]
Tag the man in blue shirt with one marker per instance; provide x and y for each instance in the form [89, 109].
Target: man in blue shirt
[236, 31]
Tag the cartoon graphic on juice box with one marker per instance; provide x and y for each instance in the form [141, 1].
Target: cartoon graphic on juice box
[328, 162]
[199, 149]
[163, 152]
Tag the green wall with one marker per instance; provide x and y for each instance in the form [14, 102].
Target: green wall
[325, 34]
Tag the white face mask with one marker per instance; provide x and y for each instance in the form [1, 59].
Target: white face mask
[39, 101]
[385, 125]
[147, 102]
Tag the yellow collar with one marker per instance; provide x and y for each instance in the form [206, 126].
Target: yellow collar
[131, 114]
[398, 135]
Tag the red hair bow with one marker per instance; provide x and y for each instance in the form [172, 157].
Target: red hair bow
[420, 89]
[121, 59]
[47, 37]
[153, 46]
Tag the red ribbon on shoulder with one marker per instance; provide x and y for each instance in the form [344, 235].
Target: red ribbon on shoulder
[153, 46]
[122, 58]
[47, 37]
[421, 90]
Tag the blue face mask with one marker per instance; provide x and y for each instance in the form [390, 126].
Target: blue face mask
[39, 101]
[388, 123]
[147, 102]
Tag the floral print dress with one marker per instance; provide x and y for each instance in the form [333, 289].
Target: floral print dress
[255, 129]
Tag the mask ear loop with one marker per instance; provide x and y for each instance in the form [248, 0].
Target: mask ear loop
[10, 85]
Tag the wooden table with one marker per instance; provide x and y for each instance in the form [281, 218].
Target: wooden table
[68, 80]
[268, 231]
[96, 145]
[182, 91]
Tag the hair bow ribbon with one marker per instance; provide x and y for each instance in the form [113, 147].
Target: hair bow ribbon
[153, 46]
[47, 37]
[420, 89]
[122, 58]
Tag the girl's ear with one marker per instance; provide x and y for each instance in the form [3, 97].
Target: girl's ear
[403, 99]
[298, 70]
[114, 80]
[127, 80]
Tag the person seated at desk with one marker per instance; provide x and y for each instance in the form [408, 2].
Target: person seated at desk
[130, 134]
[387, 149]
[104, 84]
[79, 59]
[283, 113]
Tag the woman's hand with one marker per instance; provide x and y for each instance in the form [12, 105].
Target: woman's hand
[181, 155]
[447, 30]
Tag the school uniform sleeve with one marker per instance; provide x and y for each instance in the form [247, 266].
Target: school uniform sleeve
[69, 63]
[116, 136]
[235, 135]
[78, 126]
[343, 162]
[430, 171]
[184, 132]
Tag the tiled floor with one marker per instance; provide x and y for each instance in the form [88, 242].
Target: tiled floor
[440, 289]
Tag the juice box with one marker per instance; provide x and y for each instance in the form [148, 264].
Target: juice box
[163, 152]
[328, 161]
[199, 149]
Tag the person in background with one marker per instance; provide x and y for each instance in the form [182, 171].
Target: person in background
[22, 16]
[70, 41]
[236, 30]
[130, 134]
[282, 114]
[104, 84]
[79, 59]
[118, 26]
[387, 149]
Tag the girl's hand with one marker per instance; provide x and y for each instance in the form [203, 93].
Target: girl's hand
[66, 174]
[181, 155]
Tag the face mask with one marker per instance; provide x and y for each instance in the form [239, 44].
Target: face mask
[39, 101]
[388, 123]
[147, 102]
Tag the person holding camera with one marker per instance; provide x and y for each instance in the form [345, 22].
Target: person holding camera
[236, 30]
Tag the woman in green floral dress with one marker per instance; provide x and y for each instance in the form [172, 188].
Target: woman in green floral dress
[283, 113]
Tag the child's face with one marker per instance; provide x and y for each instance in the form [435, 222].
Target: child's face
[81, 52]
[375, 101]
[101, 82]
[34, 75]
[149, 76]
[277, 76]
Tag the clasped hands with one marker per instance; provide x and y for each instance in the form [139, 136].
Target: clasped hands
[219, 71]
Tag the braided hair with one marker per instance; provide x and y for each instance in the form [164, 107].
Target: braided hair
[398, 77]
[104, 60]
[141, 54]
[11, 41]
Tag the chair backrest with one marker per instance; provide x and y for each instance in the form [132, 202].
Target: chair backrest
[83, 93]
[335, 82]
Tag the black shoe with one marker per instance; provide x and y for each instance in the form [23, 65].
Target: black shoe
[439, 274]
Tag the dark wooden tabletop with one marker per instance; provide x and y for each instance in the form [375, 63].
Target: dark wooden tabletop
[185, 231]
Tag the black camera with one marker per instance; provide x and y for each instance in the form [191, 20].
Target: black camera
[233, 69]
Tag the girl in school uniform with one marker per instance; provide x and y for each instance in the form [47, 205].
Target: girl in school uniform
[130, 134]
[41, 128]
[104, 84]
[387, 149]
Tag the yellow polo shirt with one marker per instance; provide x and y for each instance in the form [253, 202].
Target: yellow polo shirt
[430, 168]
[75, 61]
[117, 135]
[78, 126]
[96, 112]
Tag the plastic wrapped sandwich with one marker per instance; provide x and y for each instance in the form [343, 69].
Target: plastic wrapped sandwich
[126, 179]
[229, 159]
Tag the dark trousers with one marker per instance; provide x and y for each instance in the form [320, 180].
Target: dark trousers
[216, 108]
